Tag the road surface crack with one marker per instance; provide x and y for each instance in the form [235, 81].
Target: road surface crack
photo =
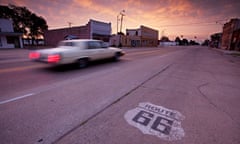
[111, 104]
[213, 104]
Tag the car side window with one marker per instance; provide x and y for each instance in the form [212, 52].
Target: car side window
[94, 45]
[66, 44]
[69, 44]
[104, 45]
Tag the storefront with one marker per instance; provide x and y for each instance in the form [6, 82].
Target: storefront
[9, 38]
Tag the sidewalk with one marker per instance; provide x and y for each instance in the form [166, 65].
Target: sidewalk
[227, 52]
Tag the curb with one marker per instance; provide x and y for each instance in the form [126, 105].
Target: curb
[227, 52]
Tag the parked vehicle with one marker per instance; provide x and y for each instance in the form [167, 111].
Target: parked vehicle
[76, 51]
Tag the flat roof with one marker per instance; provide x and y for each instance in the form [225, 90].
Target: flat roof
[11, 33]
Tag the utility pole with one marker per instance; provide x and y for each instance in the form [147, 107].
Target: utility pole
[70, 26]
[163, 32]
[117, 22]
[122, 14]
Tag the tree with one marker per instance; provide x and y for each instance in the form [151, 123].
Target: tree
[192, 42]
[5, 12]
[178, 40]
[164, 39]
[31, 25]
[206, 42]
[184, 41]
[120, 33]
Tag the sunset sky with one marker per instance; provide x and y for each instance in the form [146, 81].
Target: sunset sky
[171, 18]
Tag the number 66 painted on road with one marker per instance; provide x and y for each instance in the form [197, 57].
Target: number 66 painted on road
[161, 124]
[156, 120]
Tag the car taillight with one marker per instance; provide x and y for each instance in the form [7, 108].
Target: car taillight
[54, 58]
[34, 55]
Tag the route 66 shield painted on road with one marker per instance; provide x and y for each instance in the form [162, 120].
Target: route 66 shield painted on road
[156, 120]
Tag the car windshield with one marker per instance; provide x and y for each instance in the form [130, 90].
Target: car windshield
[71, 44]
[66, 44]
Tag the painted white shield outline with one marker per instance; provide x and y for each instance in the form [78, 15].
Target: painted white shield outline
[156, 120]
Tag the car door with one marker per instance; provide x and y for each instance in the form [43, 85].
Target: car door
[107, 51]
[95, 50]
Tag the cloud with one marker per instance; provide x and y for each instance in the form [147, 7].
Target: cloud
[152, 13]
[95, 6]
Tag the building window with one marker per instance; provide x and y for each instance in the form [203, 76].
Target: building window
[10, 40]
[0, 42]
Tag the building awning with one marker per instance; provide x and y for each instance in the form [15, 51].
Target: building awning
[10, 34]
[100, 35]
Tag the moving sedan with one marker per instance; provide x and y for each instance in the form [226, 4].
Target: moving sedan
[76, 51]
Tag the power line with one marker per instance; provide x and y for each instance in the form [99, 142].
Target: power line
[189, 24]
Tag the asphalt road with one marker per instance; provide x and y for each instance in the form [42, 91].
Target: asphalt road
[100, 104]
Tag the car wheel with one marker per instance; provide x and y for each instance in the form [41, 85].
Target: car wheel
[116, 56]
[82, 63]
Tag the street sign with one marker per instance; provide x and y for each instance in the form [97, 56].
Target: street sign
[156, 120]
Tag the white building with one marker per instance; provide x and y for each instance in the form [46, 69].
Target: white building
[170, 43]
[100, 30]
[9, 38]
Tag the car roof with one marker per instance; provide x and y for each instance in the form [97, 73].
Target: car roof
[80, 40]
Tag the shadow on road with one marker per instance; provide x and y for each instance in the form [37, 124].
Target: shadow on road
[74, 67]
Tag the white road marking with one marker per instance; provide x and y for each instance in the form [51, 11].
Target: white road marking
[16, 98]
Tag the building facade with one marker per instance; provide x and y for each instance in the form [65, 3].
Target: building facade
[140, 37]
[92, 30]
[149, 37]
[143, 37]
[215, 41]
[235, 45]
[9, 38]
[230, 36]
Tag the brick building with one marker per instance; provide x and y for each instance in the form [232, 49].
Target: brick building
[215, 41]
[230, 36]
[235, 45]
[92, 30]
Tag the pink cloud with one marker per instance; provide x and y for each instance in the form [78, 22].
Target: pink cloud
[152, 13]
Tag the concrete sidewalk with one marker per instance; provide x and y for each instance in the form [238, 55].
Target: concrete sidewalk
[227, 52]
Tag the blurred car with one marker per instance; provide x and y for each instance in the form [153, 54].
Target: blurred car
[80, 52]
